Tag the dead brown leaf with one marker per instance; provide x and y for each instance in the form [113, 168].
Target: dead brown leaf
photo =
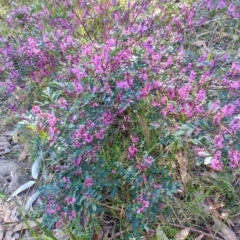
[202, 43]
[200, 237]
[214, 207]
[22, 226]
[183, 163]
[10, 215]
[219, 227]
[98, 235]
[4, 146]
[24, 153]
[182, 235]
[4, 150]
[226, 232]
[15, 137]
[61, 235]
[3, 142]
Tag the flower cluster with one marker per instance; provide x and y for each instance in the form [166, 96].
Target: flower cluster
[91, 68]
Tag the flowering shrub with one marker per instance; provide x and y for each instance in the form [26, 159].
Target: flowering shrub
[123, 78]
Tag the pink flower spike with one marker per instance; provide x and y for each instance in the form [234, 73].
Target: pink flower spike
[132, 150]
[216, 163]
[70, 200]
[218, 141]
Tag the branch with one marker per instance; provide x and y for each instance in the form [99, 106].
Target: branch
[195, 230]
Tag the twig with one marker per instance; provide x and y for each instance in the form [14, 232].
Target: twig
[86, 30]
[119, 234]
[111, 207]
[175, 213]
[195, 230]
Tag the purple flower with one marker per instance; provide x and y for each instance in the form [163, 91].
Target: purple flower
[79, 75]
[72, 215]
[232, 11]
[217, 118]
[87, 137]
[123, 85]
[65, 180]
[50, 211]
[221, 4]
[77, 87]
[234, 156]
[144, 203]
[36, 110]
[201, 95]
[78, 161]
[135, 139]
[100, 135]
[88, 182]
[62, 102]
[70, 200]
[52, 120]
[184, 91]
[228, 110]
[171, 93]
[149, 160]
[132, 150]
[59, 224]
[234, 125]
[192, 76]
[218, 141]
[141, 167]
[216, 163]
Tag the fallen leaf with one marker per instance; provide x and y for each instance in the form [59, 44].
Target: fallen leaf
[219, 227]
[4, 142]
[183, 163]
[236, 219]
[60, 235]
[31, 200]
[98, 235]
[160, 235]
[35, 167]
[4, 151]
[200, 237]
[21, 189]
[24, 153]
[202, 43]
[182, 235]
[22, 226]
[235, 37]
[227, 233]
[15, 137]
[213, 207]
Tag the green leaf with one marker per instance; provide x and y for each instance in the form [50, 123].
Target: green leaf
[135, 223]
[178, 133]
[207, 160]
[94, 207]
